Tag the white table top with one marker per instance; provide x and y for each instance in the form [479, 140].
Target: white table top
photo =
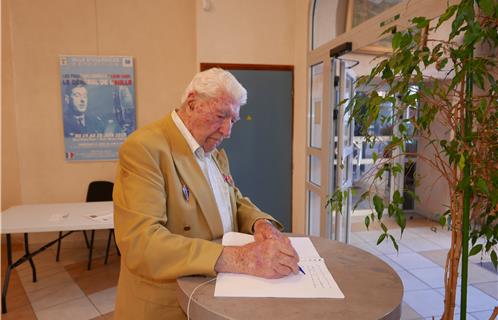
[57, 217]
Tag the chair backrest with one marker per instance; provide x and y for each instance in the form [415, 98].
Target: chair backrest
[99, 191]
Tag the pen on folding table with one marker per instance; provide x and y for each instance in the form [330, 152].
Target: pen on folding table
[301, 269]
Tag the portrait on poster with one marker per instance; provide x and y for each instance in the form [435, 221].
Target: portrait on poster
[98, 105]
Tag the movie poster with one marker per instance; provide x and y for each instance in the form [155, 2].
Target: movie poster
[98, 105]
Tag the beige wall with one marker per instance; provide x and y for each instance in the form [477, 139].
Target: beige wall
[432, 189]
[300, 114]
[168, 40]
[241, 31]
[11, 184]
[159, 34]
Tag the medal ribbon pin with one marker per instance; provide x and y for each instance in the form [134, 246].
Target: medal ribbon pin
[186, 192]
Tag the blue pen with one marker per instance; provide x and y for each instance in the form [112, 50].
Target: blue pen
[301, 269]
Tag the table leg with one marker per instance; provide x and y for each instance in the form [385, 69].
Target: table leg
[7, 274]
[109, 239]
[26, 249]
[28, 256]
[91, 250]
[58, 247]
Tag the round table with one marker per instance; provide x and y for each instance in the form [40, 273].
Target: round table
[372, 290]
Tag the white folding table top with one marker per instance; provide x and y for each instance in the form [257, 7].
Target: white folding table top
[57, 217]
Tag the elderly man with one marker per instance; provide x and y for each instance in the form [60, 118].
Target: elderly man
[174, 194]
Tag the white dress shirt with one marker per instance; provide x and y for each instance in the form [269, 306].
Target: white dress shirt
[212, 174]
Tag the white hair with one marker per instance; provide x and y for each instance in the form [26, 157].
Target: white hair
[214, 82]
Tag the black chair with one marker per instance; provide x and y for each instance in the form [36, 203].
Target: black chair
[97, 191]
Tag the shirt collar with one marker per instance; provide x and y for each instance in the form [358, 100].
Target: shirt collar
[192, 143]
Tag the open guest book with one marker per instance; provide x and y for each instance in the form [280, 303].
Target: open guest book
[317, 282]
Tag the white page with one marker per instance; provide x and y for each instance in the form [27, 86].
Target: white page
[101, 217]
[316, 283]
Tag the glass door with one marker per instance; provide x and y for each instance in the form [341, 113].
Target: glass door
[343, 148]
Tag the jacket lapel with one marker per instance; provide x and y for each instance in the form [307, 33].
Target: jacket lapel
[193, 177]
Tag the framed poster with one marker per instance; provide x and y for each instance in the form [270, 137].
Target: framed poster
[98, 105]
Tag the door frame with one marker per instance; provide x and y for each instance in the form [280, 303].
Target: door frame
[268, 67]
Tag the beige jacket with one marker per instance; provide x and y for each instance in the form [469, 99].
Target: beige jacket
[161, 233]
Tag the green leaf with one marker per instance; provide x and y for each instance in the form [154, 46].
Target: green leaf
[421, 22]
[381, 238]
[475, 250]
[397, 40]
[461, 162]
[401, 220]
[375, 156]
[446, 15]
[379, 206]
[481, 184]
[367, 221]
[395, 244]
[383, 226]
[442, 221]
[397, 199]
[487, 6]
[494, 259]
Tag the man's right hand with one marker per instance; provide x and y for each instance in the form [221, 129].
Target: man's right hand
[270, 258]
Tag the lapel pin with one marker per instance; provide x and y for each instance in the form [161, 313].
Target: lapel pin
[228, 179]
[185, 191]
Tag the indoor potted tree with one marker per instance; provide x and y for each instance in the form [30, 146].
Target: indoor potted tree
[463, 98]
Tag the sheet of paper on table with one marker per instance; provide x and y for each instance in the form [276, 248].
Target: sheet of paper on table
[101, 217]
[316, 283]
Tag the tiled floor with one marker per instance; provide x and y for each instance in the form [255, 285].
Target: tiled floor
[420, 265]
[67, 290]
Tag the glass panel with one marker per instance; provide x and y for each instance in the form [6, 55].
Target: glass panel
[345, 171]
[329, 20]
[366, 9]
[316, 105]
[314, 213]
[315, 171]
[347, 124]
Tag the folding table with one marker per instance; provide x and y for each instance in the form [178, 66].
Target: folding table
[65, 217]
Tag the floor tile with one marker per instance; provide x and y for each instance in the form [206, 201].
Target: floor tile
[407, 313]
[48, 297]
[482, 315]
[104, 300]
[78, 309]
[436, 256]
[107, 316]
[367, 247]
[412, 261]
[100, 277]
[47, 281]
[421, 244]
[478, 274]
[387, 247]
[456, 317]
[391, 263]
[369, 236]
[434, 277]
[427, 303]
[476, 299]
[410, 282]
[490, 288]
